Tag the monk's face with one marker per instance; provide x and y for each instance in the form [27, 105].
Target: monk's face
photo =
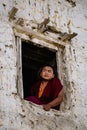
[47, 73]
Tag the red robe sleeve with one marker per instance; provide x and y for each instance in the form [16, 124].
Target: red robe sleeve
[56, 87]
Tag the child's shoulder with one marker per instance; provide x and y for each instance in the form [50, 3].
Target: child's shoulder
[55, 79]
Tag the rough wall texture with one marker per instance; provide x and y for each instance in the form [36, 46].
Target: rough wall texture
[68, 16]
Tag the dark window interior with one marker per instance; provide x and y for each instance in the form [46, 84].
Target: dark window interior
[33, 57]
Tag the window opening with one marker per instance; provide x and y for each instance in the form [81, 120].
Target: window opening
[33, 57]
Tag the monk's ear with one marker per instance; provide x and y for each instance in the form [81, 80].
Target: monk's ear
[53, 76]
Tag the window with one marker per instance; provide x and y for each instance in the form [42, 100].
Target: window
[33, 57]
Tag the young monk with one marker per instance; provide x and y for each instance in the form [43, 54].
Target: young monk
[48, 91]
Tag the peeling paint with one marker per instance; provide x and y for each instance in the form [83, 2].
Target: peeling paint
[10, 46]
[71, 2]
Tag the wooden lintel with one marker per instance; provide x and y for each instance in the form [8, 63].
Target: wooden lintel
[38, 35]
[12, 13]
[20, 22]
[67, 36]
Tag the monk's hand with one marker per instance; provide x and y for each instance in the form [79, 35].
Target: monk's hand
[46, 107]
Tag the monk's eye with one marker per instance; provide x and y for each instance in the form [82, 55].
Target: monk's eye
[49, 71]
[44, 70]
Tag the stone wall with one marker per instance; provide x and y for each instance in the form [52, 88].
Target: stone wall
[67, 16]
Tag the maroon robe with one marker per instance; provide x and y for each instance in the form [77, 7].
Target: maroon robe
[50, 92]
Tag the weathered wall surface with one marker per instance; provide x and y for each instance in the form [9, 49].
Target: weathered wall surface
[67, 16]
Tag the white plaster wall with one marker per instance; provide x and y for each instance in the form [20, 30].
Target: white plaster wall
[15, 113]
[78, 17]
